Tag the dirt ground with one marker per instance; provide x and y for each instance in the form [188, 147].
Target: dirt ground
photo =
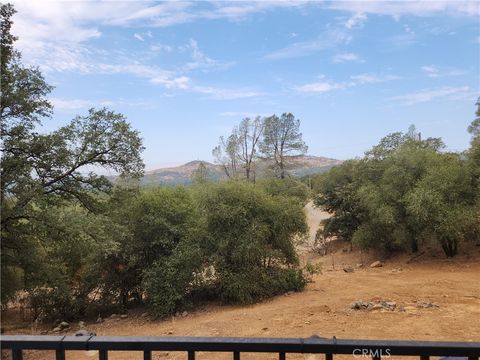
[324, 308]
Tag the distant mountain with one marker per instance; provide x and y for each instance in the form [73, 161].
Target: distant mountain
[181, 175]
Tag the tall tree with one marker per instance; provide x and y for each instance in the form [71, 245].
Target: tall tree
[225, 154]
[249, 134]
[238, 152]
[282, 139]
[48, 169]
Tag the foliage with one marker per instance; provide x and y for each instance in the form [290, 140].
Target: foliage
[312, 269]
[169, 282]
[43, 171]
[62, 279]
[274, 139]
[237, 153]
[282, 138]
[403, 193]
[259, 283]
[288, 187]
[201, 175]
[250, 237]
[160, 221]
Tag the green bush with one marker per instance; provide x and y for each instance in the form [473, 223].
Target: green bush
[259, 283]
[163, 225]
[403, 193]
[169, 283]
[250, 240]
[287, 187]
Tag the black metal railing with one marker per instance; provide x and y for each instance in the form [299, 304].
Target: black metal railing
[375, 349]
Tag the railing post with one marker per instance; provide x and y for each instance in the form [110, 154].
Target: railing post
[17, 354]
[328, 356]
[191, 355]
[60, 354]
[424, 357]
[236, 355]
[102, 355]
[281, 356]
[147, 355]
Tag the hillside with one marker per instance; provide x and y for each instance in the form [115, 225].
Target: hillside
[181, 175]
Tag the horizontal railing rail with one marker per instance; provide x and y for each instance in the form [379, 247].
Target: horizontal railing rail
[375, 349]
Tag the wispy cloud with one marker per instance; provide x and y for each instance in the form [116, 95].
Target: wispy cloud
[397, 9]
[226, 93]
[138, 37]
[427, 95]
[158, 47]
[324, 86]
[370, 78]
[401, 41]
[329, 39]
[53, 33]
[64, 104]
[356, 20]
[74, 104]
[347, 57]
[202, 61]
[436, 72]
[320, 87]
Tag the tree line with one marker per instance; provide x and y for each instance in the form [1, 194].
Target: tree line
[274, 139]
[405, 193]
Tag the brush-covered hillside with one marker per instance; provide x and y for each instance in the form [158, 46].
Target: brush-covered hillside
[298, 166]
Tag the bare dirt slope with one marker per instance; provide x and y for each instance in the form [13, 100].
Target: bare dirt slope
[324, 308]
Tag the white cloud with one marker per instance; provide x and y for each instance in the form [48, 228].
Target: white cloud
[226, 94]
[346, 57]
[73, 104]
[356, 20]
[329, 39]
[436, 72]
[427, 95]
[161, 48]
[320, 87]
[138, 37]
[369, 78]
[201, 61]
[155, 75]
[325, 86]
[397, 9]
[142, 36]
[52, 33]
[408, 29]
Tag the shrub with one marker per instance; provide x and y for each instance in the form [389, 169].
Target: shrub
[249, 242]
[287, 187]
[404, 192]
[259, 283]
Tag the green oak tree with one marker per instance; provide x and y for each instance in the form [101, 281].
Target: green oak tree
[40, 170]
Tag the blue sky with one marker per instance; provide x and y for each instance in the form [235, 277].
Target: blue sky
[184, 73]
